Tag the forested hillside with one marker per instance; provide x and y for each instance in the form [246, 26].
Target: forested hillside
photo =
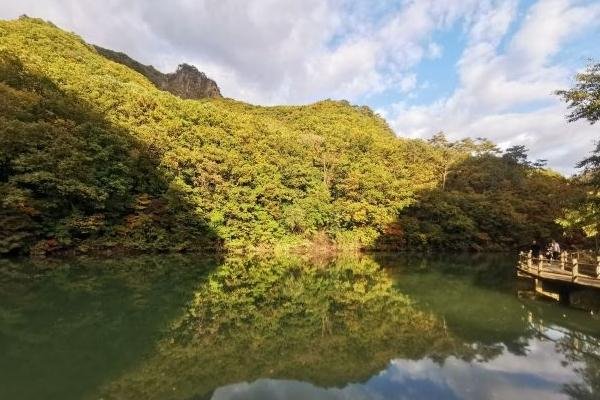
[488, 201]
[93, 156]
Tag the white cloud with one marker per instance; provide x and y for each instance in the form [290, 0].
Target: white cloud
[268, 51]
[546, 26]
[408, 83]
[434, 50]
[506, 95]
[288, 51]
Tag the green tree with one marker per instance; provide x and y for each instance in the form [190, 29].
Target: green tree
[591, 167]
[584, 97]
[585, 216]
[518, 154]
[584, 101]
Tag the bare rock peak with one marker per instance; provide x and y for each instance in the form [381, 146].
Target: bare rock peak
[186, 82]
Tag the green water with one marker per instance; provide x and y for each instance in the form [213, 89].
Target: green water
[369, 327]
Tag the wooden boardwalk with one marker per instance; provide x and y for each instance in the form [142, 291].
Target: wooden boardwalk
[567, 269]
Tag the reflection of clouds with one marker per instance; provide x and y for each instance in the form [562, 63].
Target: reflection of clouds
[270, 389]
[539, 375]
[542, 360]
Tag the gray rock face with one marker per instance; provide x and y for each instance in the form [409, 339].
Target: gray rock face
[187, 82]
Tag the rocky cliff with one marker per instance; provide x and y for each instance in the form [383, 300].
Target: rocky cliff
[187, 82]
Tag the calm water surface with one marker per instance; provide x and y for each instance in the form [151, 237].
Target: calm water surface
[370, 327]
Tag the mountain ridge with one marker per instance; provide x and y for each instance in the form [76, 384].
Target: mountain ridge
[95, 157]
[186, 82]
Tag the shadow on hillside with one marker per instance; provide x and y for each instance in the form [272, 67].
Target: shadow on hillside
[489, 204]
[70, 179]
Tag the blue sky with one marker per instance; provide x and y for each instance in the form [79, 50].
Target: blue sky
[467, 67]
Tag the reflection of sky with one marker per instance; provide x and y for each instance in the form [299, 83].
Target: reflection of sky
[539, 375]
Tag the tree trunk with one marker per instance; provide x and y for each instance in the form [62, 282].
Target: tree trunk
[444, 175]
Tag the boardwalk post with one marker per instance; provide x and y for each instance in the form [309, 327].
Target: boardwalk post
[529, 259]
[521, 259]
[563, 259]
[598, 267]
[575, 271]
[538, 285]
[540, 263]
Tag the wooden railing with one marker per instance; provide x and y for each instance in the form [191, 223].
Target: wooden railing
[567, 268]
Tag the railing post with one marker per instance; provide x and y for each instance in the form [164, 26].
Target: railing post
[529, 262]
[521, 260]
[575, 271]
[598, 267]
[563, 257]
[540, 264]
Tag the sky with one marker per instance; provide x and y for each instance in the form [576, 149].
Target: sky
[469, 68]
[540, 375]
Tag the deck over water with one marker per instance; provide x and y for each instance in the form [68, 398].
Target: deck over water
[567, 269]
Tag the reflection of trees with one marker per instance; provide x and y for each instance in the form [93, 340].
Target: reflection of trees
[66, 327]
[589, 389]
[286, 319]
[477, 310]
[461, 290]
[329, 323]
[583, 351]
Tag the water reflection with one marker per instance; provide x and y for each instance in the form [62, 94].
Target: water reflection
[353, 328]
[68, 326]
[540, 376]
[286, 319]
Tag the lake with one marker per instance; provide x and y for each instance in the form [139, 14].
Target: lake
[376, 326]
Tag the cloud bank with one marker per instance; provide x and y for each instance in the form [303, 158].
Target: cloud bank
[513, 56]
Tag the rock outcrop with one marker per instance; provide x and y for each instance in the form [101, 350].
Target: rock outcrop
[187, 82]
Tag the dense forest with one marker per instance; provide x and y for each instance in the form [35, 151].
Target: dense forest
[94, 157]
[584, 102]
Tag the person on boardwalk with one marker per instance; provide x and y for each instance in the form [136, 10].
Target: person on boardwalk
[535, 249]
[555, 249]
